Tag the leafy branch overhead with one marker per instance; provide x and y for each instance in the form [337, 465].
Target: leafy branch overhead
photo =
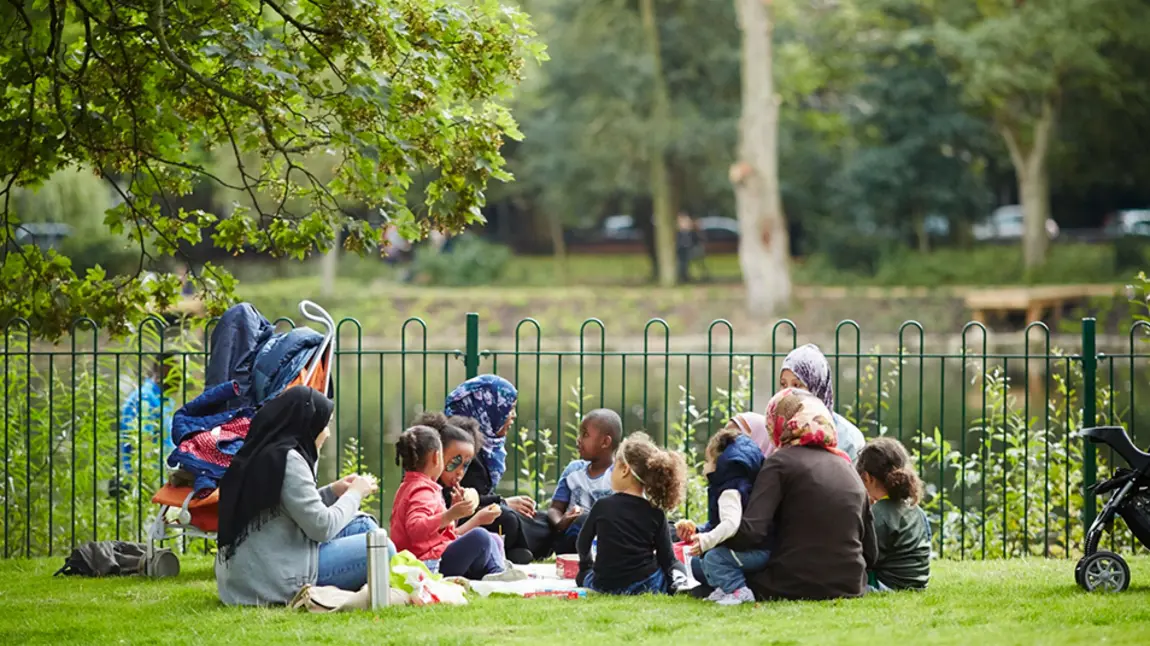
[403, 100]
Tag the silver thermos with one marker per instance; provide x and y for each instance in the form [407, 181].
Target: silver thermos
[378, 569]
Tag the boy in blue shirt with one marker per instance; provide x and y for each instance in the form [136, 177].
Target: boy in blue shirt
[586, 480]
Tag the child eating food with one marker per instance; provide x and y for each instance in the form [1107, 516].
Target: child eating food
[422, 524]
[586, 480]
[733, 461]
[634, 542]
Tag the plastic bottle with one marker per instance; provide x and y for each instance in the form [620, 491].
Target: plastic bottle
[594, 547]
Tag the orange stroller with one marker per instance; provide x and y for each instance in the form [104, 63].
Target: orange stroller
[181, 514]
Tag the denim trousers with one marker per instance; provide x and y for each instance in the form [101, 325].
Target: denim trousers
[728, 570]
[654, 584]
[343, 559]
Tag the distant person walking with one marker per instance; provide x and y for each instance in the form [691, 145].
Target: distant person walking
[688, 246]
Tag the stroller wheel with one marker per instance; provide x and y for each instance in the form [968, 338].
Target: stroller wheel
[1104, 571]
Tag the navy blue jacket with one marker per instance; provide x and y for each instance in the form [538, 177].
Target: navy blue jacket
[280, 360]
[736, 469]
[236, 340]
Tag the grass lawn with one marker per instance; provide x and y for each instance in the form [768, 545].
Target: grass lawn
[972, 603]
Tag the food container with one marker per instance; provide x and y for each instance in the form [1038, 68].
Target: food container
[567, 566]
[682, 551]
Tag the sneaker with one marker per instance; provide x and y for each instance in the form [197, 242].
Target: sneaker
[742, 595]
[717, 594]
[507, 576]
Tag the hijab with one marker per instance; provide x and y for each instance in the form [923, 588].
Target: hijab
[250, 488]
[810, 365]
[799, 418]
[755, 425]
[489, 400]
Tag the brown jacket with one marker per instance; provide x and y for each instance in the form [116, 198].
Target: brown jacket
[813, 505]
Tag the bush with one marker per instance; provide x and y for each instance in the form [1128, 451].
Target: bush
[1130, 253]
[470, 261]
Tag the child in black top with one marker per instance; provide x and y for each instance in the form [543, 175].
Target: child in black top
[900, 525]
[634, 541]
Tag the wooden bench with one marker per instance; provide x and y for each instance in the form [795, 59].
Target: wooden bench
[1035, 302]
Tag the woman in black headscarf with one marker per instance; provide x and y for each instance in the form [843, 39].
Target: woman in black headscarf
[278, 532]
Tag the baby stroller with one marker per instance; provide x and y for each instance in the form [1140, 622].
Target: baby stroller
[1102, 569]
[185, 514]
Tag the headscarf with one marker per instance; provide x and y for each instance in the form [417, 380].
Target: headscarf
[755, 425]
[250, 488]
[798, 418]
[810, 365]
[489, 400]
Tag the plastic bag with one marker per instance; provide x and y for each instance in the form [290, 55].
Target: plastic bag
[410, 576]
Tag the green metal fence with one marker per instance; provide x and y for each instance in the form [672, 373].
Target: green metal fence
[991, 421]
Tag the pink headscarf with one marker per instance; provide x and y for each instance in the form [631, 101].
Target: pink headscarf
[755, 425]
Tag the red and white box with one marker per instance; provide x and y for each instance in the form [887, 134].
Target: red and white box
[567, 566]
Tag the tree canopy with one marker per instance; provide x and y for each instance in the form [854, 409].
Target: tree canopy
[405, 98]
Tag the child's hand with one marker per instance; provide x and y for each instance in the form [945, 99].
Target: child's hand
[456, 495]
[696, 545]
[686, 529]
[461, 509]
[488, 514]
[571, 515]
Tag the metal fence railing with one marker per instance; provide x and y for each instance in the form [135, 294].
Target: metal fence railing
[992, 424]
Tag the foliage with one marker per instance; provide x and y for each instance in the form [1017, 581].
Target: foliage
[1009, 485]
[146, 93]
[352, 461]
[471, 261]
[63, 445]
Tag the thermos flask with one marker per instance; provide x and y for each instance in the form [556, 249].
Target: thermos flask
[378, 569]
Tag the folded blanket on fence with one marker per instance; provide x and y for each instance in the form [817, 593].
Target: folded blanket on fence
[208, 454]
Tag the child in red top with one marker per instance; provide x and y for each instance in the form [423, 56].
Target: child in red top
[422, 524]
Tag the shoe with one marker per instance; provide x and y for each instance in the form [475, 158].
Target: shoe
[701, 591]
[520, 555]
[717, 594]
[507, 576]
[742, 595]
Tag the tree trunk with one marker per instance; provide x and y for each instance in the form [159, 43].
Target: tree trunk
[329, 266]
[921, 235]
[1033, 184]
[660, 181]
[764, 248]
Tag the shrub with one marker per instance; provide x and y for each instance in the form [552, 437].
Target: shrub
[471, 261]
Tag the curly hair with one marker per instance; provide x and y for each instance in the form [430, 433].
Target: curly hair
[720, 441]
[415, 445]
[662, 473]
[886, 460]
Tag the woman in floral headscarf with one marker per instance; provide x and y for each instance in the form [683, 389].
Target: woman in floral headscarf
[808, 507]
[807, 368]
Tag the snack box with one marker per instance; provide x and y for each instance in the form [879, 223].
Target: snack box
[567, 566]
[559, 594]
[682, 551]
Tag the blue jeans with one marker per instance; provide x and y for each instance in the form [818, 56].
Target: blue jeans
[654, 584]
[728, 570]
[343, 559]
[471, 556]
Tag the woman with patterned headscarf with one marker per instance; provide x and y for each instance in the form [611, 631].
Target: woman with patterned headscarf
[489, 402]
[807, 368]
[808, 507]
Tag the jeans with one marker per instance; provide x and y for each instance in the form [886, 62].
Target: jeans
[472, 556]
[343, 559]
[727, 569]
[654, 584]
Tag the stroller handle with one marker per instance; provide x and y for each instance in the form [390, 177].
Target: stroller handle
[313, 312]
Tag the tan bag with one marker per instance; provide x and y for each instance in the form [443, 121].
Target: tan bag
[326, 598]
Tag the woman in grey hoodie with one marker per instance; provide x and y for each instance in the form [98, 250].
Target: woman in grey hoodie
[278, 531]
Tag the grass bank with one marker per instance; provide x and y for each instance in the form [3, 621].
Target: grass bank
[991, 602]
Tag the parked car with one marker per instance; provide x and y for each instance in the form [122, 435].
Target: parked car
[1133, 222]
[1006, 223]
[714, 228]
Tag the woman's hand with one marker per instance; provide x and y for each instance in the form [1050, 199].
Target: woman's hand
[364, 485]
[696, 545]
[339, 487]
[524, 505]
[686, 529]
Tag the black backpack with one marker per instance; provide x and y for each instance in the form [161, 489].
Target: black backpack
[104, 558]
